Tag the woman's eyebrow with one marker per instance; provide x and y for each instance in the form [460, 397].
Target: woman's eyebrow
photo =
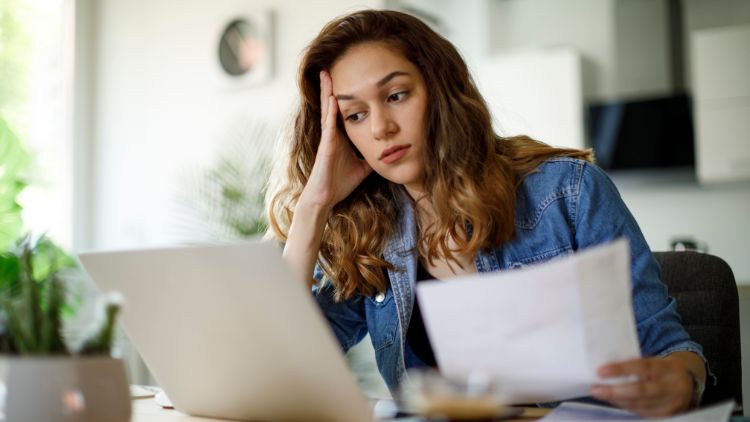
[379, 84]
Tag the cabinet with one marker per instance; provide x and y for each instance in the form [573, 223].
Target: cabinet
[721, 94]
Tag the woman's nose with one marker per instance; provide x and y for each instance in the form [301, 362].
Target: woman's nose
[383, 125]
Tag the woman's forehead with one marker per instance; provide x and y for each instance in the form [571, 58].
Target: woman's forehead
[367, 66]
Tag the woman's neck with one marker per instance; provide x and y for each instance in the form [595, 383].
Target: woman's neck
[416, 191]
[440, 267]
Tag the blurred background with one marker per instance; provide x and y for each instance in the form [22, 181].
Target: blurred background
[152, 122]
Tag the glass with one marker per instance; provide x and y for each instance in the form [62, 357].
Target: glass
[428, 393]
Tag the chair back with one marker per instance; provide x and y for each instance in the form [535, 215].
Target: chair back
[706, 293]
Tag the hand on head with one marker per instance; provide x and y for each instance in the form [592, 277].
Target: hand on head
[337, 170]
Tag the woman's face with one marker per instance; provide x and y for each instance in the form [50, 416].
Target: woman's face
[382, 99]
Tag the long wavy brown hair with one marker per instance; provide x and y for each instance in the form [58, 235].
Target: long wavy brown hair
[471, 173]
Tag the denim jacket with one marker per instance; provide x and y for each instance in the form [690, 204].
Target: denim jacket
[566, 205]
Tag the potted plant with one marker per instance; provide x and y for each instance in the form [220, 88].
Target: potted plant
[45, 380]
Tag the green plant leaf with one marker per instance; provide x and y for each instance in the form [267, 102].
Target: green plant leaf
[10, 270]
[49, 258]
[33, 300]
[16, 336]
[226, 200]
[52, 341]
[101, 342]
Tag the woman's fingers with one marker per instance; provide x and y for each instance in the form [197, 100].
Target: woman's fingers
[629, 391]
[646, 398]
[325, 93]
[329, 112]
[642, 368]
[333, 110]
[328, 130]
[663, 387]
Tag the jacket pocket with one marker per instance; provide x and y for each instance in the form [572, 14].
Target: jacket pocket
[520, 262]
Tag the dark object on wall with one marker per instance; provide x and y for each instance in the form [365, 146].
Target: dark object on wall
[245, 48]
[240, 47]
[706, 293]
[649, 133]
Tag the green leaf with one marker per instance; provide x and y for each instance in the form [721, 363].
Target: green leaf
[101, 343]
[10, 270]
[49, 258]
[33, 299]
[17, 337]
[52, 341]
[226, 200]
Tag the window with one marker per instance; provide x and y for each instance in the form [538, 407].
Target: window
[36, 51]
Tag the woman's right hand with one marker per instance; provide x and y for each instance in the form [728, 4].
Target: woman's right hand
[337, 170]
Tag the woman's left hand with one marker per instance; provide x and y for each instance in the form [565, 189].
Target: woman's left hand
[664, 386]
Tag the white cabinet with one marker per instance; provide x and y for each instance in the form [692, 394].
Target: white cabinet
[537, 93]
[721, 93]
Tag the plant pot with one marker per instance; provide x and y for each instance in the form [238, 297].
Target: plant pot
[65, 389]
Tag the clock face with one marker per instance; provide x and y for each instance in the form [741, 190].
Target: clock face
[241, 48]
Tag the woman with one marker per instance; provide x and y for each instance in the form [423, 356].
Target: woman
[395, 175]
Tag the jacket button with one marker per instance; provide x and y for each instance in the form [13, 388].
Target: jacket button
[380, 297]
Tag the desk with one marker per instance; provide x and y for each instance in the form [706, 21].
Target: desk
[146, 410]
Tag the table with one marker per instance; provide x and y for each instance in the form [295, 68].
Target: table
[146, 410]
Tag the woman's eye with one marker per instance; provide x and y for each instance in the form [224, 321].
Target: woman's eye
[398, 96]
[355, 117]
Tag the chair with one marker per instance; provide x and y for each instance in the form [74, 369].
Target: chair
[706, 293]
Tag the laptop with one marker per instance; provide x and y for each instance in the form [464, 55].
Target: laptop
[229, 332]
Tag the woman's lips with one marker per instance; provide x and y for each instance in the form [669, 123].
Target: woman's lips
[393, 154]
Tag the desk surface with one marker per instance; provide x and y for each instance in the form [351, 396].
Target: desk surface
[146, 410]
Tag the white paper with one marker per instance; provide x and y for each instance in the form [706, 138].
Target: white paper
[580, 412]
[583, 412]
[540, 332]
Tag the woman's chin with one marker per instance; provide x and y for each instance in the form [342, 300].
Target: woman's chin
[399, 177]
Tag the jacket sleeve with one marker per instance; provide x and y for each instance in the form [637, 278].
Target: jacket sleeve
[346, 318]
[601, 216]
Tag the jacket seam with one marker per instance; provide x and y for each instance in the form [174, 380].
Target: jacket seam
[571, 190]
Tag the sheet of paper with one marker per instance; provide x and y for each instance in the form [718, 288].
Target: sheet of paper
[580, 412]
[540, 332]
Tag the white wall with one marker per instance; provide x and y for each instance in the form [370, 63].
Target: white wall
[466, 23]
[161, 104]
[623, 42]
[671, 204]
[641, 48]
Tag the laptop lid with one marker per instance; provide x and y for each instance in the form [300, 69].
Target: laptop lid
[229, 332]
